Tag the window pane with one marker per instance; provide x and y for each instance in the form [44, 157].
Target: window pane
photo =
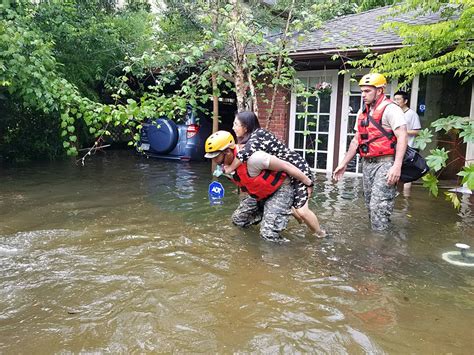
[311, 142]
[312, 123]
[314, 81]
[325, 104]
[351, 124]
[310, 159]
[323, 142]
[349, 140]
[301, 104]
[324, 123]
[299, 123]
[354, 104]
[299, 139]
[313, 104]
[354, 84]
[322, 161]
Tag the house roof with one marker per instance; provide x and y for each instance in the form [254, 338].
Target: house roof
[351, 32]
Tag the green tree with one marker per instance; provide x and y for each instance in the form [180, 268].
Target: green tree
[53, 65]
[88, 66]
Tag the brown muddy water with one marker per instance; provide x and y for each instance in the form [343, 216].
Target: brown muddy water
[126, 255]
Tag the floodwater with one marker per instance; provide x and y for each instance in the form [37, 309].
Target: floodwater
[126, 255]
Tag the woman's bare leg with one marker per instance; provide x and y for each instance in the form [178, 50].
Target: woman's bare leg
[310, 220]
[296, 215]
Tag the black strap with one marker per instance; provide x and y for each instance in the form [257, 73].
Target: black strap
[380, 127]
[266, 175]
[277, 177]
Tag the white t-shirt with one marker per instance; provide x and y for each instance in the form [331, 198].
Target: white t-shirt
[392, 117]
[413, 123]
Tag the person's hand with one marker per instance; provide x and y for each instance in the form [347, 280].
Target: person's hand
[339, 172]
[227, 169]
[393, 174]
[310, 190]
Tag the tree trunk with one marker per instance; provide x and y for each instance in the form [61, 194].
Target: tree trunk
[279, 65]
[215, 111]
[238, 59]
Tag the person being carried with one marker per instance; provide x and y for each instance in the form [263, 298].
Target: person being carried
[252, 138]
[381, 141]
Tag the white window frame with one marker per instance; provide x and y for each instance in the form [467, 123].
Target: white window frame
[332, 77]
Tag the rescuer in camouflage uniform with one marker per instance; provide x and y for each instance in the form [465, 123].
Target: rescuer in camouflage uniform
[273, 211]
[382, 153]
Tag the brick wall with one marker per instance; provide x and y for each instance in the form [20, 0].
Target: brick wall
[279, 123]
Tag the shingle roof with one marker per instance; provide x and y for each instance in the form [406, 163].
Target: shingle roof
[361, 29]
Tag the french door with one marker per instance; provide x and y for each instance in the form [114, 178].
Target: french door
[312, 119]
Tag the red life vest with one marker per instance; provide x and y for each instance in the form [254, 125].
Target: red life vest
[372, 142]
[260, 186]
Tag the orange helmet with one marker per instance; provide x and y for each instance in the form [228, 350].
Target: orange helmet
[373, 79]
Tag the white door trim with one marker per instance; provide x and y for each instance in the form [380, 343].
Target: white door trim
[470, 146]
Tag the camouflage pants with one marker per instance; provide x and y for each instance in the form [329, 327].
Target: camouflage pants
[379, 196]
[273, 212]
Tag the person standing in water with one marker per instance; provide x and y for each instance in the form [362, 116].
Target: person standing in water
[381, 141]
[413, 125]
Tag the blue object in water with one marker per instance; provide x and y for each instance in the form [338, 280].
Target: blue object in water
[216, 193]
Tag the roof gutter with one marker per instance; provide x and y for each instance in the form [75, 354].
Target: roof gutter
[340, 50]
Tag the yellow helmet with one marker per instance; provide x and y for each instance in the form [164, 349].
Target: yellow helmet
[373, 79]
[218, 142]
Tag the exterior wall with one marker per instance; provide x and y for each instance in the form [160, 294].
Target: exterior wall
[279, 123]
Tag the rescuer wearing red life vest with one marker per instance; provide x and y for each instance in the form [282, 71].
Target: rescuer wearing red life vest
[381, 141]
[270, 194]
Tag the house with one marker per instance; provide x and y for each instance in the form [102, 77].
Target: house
[321, 132]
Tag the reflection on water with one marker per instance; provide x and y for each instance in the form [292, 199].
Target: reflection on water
[127, 255]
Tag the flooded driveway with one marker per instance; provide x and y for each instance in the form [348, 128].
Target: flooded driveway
[127, 255]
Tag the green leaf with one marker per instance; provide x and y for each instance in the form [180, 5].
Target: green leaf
[467, 173]
[431, 182]
[437, 159]
[72, 151]
[467, 133]
[446, 123]
[453, 197]
[423, 138]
